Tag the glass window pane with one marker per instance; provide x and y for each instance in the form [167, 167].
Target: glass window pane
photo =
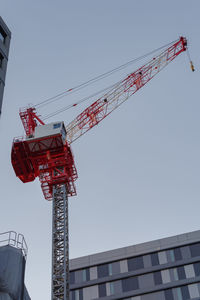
[185, 292]
[87, 274]
[102, 271]
[197, 269]
[172, 256]
[177, 254]
[110, 269]
[118, 286]
[169, 295]
[76, 294]
[154, 259]
[102, 290]
[181, 273]
[135, 263]
[73, 295]
[81, 294]
[195, 250]
[179, 294]
[84, 275]
[72, 277]
[175, 273]
[157, 278]
[130, 284]
[112, 288]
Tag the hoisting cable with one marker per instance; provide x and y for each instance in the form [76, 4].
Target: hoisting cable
[78, 102]
[97, 78]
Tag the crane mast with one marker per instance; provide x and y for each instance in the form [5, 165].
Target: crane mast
[46, 153]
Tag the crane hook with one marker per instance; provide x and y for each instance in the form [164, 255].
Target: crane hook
[192, 66]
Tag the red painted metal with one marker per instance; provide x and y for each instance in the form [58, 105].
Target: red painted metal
[29, 120]
[101, 108]
[47, 158]
[51, 159]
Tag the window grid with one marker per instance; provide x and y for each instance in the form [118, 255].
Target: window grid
[137, 263]
[187, 292]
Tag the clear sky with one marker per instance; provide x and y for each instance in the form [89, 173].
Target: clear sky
[139, 170]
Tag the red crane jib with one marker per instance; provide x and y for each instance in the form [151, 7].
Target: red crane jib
[120, 92]
[47, 158]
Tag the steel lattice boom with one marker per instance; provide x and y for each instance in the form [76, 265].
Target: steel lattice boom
[101, 108]
[46, 153]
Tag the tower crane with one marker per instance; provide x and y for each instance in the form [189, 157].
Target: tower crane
[45, 152]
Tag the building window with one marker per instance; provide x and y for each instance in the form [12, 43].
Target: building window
[77, 295]
[185, 292]
[195, 250]
[56, 125]
[179, 294]
[86, 274]
[112, 291]
[154, 259]
[1, 60]
[102, 271]
[169, 295]
[72, 277]
[110, 272]
[130, 284]
[135, 263]
[175, 273]
[181, 273]
[172, 256]
[3, 35]
[102, 290]
[177, 254]
[197, 269]
[157, 278]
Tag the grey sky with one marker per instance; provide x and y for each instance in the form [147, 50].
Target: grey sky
[139, 169]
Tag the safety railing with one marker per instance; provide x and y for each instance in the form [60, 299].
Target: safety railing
[15, 240]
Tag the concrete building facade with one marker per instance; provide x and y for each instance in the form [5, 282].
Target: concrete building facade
[165, 269]
[5, 36]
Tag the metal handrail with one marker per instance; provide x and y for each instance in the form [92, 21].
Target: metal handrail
[15, 240]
